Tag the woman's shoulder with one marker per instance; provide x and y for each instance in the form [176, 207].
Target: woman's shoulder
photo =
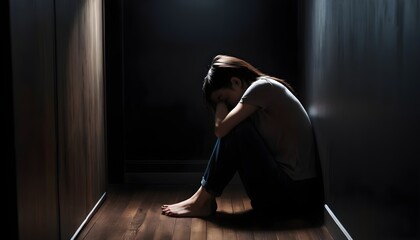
[267, 82]
[261, 81]
[262, 87]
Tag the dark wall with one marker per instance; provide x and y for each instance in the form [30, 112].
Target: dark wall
[167, 49]
[7, 128]
[113, 12]
[362, 74]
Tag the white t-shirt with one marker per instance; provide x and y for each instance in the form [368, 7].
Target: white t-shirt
[284, 125]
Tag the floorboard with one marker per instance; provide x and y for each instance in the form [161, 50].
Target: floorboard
[133, 212]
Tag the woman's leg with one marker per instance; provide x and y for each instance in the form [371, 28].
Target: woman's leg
[242, 150]
[217, 175]
[221, 166]
[265, 183]
[269, 188]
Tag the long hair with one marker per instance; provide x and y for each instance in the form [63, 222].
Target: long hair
[224, 67]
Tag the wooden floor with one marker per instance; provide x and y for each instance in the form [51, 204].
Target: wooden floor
[133, 212]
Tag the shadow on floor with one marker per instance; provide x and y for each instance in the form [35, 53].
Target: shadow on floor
[255, 221]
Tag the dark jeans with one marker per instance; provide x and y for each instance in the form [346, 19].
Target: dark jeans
[269, 188]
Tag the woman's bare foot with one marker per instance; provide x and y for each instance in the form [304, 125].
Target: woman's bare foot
[201, 204]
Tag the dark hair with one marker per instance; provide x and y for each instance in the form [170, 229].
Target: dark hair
[224, 67]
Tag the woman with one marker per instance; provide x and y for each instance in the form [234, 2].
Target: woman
[264, 134]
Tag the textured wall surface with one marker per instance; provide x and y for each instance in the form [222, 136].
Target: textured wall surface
[59, 118]
[33, 73]
[81, 117]
[168, 47]
[362, 74]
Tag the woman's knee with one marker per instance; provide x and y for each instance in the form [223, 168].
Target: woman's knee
[244, 129]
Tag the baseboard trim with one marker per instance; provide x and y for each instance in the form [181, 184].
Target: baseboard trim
[89, 216]
[169, 178]
[156, 166]
[334, 226]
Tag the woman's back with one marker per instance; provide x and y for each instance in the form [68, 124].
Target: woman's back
[284, 125]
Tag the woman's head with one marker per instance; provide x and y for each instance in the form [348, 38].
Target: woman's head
[224, 73]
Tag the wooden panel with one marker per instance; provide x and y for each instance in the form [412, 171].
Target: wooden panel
[32, 37]
[94, 97]
[80, 110]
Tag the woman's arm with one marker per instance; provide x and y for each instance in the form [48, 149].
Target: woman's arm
[225, 120]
